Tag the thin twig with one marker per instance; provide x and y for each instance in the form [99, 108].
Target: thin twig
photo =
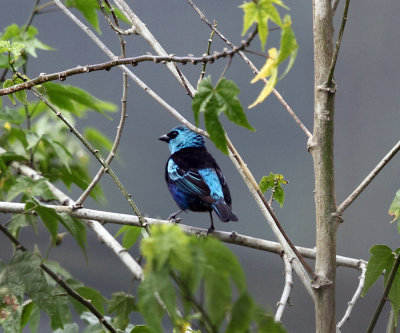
[96, 154]
[298, 267]
[59, 280]
[349, 200]
[385, 294]
[62, 75]
[203, 70]
[254, 69]
[329, 82]
[356, 295]
[144, 32]
[286, 290]
[132, 220]
[102, 234]
[121, 124]
[115, 27]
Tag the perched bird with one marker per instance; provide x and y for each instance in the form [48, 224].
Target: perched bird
[194, 179]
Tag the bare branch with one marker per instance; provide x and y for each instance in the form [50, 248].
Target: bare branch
[62, 75]
[123, 116]
[330, 82]
[286, 290]
[103, 235]
[363, 267]
[253, 68]
[125, 219]
[203, 70]
[59, 280]
[349, 200]
[148, 36]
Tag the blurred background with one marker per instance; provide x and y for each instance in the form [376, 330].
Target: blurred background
[366, 120]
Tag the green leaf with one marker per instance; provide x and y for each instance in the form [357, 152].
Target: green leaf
[260, 12]
[94, 296]
[141, 329]
[77, 229]
[75, 100]
[122, 304]
[63, 154]
[214, 101]
[98, 140]
[30, 188]
[382, 258]
[16, 48]
[226, 93]
[266, 323]
[214, 127]
[49, 217]
[289, 45]
[5, 46]
[394, 209]
[88, 10]
[26, 313]
[241, 315]
[8, 83]
[274, 182]
[130, 237]
[68, 328]
[27, 266]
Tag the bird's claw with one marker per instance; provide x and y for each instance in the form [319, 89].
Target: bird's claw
[210, 230]
[174, 219]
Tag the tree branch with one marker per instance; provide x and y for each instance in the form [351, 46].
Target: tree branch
[349, 200]
[59, 280]
[123, 116]
[103, 217]
[102, 234]
[384, 295]
[286, 290]
[94, 152]
[253, 68]
[338, 44]
[363, 267]
[62, 75]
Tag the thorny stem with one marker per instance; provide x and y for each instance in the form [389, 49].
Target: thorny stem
[385, 294]
[59, 280]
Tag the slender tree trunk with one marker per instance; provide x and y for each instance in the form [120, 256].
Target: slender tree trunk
[321, 148]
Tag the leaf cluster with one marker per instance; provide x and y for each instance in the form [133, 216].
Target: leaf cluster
[178, 267]
[274, 182]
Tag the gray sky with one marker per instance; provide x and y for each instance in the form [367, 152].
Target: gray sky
[366, 127]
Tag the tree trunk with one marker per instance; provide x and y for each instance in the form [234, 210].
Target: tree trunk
[321, 148]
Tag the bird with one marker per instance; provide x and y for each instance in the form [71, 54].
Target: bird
[194, 178]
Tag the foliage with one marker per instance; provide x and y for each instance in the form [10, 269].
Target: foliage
[214, 101]
[274, 182]
[177, 261]
[381, 261]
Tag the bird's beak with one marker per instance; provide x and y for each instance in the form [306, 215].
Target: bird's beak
[164, 138]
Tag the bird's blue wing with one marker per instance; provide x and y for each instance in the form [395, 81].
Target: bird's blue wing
[192, 181]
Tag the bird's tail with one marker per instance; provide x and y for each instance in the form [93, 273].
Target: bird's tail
[224, 211]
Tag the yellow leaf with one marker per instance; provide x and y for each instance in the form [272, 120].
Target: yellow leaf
[268, 87]
[269, 65]
[7, 126]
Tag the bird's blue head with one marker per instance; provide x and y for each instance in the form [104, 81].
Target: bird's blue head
[181, 137]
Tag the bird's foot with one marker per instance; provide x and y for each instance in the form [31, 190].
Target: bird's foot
[210, 230]
[172, 218]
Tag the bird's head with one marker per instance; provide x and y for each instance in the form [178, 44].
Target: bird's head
[181, 137]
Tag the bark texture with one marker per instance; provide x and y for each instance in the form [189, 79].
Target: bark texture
[321, 148]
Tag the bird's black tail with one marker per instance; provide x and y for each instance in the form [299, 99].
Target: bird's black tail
[224, 212]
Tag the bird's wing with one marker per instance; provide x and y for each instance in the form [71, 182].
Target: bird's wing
[189, 181]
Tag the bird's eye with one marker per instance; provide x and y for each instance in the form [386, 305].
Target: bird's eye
[173, 134]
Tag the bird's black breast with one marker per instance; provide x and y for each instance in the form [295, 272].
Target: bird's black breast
[197, 158]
